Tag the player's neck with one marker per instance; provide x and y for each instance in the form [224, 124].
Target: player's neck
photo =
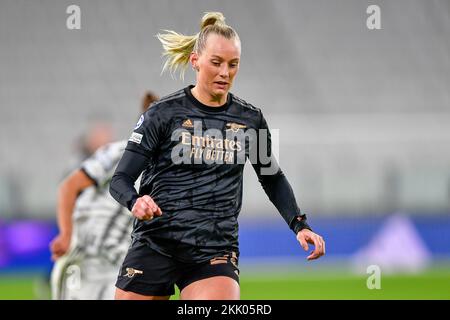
[207, 99]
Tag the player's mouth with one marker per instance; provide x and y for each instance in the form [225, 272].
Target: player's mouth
[221, 84]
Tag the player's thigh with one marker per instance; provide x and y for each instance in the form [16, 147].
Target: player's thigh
[146, 273]
[213, 288]
[128, 295]
[217, 279]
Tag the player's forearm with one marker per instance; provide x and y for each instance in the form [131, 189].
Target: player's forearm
[66, 204]
[122, 190]
[122, 183]
[280, 193]
[68, 192]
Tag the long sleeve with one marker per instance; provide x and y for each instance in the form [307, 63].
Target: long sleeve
[140, 150]
[275, 183]
[128, 170]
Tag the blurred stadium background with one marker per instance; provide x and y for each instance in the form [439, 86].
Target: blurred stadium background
[363, 118]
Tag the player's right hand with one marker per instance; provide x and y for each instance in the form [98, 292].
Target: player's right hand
[59, 246]
[145, 208]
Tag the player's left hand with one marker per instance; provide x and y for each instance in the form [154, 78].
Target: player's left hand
[306, 236]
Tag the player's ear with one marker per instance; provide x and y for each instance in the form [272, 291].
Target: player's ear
[193, 58]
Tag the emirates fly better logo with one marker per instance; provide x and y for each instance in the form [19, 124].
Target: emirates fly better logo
[213, 147]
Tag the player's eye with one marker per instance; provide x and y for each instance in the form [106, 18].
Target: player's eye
[216, 63]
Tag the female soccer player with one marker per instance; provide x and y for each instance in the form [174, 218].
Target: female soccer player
[191, 147]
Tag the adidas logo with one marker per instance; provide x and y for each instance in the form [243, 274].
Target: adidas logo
[188, 123]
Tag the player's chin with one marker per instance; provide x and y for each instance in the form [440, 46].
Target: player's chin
[221, 90]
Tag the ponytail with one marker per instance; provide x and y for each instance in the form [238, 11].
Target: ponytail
[178, 47]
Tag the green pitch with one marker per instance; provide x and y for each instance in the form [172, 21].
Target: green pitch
[433, 284]
[17, 288]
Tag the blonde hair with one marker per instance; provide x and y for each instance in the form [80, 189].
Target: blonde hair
[178, 47]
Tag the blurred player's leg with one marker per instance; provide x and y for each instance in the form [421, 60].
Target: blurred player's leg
[65, 277]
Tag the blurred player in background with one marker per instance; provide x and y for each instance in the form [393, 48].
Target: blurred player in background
[93, 228]
[188, 205]
[98, 134]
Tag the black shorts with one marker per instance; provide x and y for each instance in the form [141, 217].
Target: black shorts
[147, 272]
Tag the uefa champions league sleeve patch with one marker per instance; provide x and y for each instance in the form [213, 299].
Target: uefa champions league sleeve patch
[136, 138]
[139, 123]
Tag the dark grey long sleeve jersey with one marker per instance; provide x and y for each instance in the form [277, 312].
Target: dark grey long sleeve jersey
[192, 157]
